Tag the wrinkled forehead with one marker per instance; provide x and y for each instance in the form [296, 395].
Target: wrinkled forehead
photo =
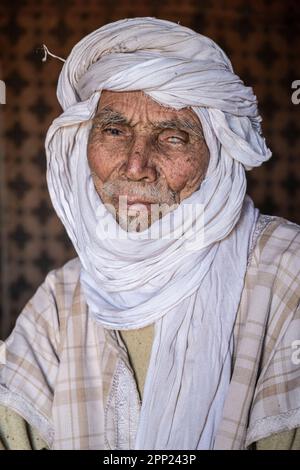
[137, 106]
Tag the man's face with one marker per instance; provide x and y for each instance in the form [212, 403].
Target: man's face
[153, 155]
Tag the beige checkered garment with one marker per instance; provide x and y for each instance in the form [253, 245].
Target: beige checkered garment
[72, 380]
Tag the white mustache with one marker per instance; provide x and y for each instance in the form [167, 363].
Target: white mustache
[152, 193]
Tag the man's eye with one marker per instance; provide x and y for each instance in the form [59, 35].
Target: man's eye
[175, 140]
[112, 131]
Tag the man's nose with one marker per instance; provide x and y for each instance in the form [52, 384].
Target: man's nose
[136, 167]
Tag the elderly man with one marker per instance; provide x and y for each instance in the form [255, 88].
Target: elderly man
[177, 325]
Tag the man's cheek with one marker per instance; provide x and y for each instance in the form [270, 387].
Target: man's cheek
[178, 175]
[101, 164]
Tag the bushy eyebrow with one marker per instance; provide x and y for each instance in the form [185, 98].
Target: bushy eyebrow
[108, 116]
[179, 124]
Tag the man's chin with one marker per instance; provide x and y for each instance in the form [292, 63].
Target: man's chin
[134, 222]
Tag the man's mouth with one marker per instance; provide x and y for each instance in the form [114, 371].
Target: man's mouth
[131, 202]
[134, 201]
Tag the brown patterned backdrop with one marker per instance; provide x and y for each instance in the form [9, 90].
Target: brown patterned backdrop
[260, 37]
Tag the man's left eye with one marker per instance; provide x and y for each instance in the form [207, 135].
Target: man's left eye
[112, 131]
[175, 140]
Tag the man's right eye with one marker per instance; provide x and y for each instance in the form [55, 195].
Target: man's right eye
[112, 131]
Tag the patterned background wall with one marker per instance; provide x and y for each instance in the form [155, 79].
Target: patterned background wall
[260, 37]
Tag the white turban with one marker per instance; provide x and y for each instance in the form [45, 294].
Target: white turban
[191, 295]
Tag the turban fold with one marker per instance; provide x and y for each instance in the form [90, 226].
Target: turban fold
[191, 295]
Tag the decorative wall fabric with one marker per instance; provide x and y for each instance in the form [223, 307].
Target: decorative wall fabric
[262, 41]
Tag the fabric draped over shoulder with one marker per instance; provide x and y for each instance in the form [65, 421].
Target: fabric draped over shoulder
[76, 407]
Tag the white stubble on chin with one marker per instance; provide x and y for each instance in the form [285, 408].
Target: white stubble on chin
[134, 219]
